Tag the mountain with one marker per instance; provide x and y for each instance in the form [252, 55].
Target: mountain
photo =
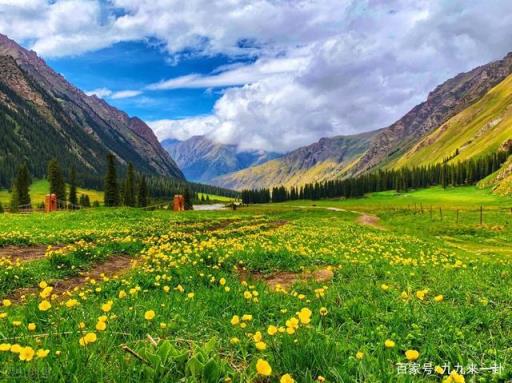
[327, 159]
[447, 100]
[202, 159]
[466, 116]
[43, 116]
[480, 129]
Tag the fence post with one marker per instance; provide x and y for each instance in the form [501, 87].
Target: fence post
[441, 213]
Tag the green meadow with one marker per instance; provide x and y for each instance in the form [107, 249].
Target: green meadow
[364, 290]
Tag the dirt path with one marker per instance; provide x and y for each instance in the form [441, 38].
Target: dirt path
[363, 219]
[369, 220]
[25, 253]
[286, 279]
[115, 265]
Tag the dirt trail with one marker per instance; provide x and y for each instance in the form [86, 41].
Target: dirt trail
[25, 253]
[370, 220]
[115, 265]
[363, 219]
[286, 279]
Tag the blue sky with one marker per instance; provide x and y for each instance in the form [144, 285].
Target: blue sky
[261, 74]
[134, 65]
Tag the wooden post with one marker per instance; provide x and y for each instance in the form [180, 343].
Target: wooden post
[481, 214]
[178, 203]
[441, 213]
[50, 203]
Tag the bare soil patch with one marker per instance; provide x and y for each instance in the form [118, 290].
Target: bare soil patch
[369, 220]
[286, 279]
[25, 253]
[115, 265]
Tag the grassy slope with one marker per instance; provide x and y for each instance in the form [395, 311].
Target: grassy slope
[468, 197]
[480, 129]
[40, 188]
[470, 324]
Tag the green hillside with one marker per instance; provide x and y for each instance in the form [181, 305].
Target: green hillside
[480, 129]
[40, 188]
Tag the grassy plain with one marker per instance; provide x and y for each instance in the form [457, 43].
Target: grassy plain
[199, 286]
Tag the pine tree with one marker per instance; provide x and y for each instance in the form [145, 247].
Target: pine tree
[73, 200]
[56, 180]
[15, 204]
[129, 187]
[187, 196]
[142, 194]
[22, 184]
[111, 188]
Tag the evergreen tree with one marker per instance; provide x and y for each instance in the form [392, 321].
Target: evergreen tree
[142, 194]
[14, 199]
[188, 196]
[56, 180]
[111, 188]
[22, 185]
[73, 200]
[129, 187]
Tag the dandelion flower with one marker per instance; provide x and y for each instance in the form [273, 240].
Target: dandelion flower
[235, 320]
[272, 330]
[263, 367]
[360, 355]
[439, 298]
[261, 346]
[6, 302]
[286, 378]
[412, 355]
[41, 353]
[31, 327]
[26, 354]
[101, 326]
[149, 315]
[389, 343]
[88, 338]
[44, 305]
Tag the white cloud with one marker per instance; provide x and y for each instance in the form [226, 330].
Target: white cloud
[321, 67]
[184, 128]
[125, 94]
[238, 75]
[100, 92]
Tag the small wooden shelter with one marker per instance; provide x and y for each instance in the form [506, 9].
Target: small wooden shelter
[50, 203]
[178, 203]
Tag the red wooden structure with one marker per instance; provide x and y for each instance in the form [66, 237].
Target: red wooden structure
[178, 203]
[50, 203]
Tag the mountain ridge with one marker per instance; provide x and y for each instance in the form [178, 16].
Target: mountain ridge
[34, 91]
[201, 159]
[388, 145]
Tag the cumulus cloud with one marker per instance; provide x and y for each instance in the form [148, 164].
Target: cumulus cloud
[107, 93]
[319, 68]
[100, 92]
[184, 128]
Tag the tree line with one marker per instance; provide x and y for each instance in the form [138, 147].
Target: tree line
[467, 172]
[134, 189]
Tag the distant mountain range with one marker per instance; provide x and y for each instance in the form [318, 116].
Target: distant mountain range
[467, 116]
[43, 116]
[202, 160]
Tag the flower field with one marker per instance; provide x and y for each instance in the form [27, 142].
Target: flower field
[268, 294]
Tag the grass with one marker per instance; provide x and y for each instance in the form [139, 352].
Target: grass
[40, 188]
[478, 130]
[439, 287]
[467, 197]
[215, 198]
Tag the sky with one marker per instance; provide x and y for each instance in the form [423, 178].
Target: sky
[261, 74]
